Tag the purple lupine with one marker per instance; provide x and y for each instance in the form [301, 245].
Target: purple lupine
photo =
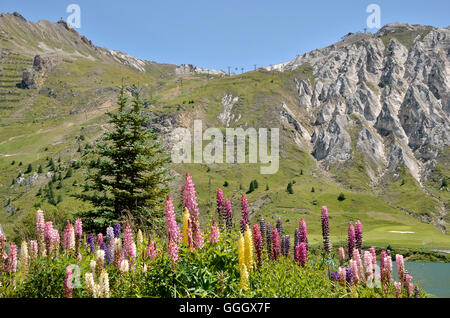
[279, 226]
[351, 239]
[117, 230]
[349, 274]
[325, 230]
[228, 214]
[109, 254]
[91, 243]
[245, 213]
[359, 235]
[258, 242]
[221, 211]
[334, 276]
[276, 248]
[104, 247]
[286, 245]
[303, 233]
[269, 240]
[296, 239]
[262, 226]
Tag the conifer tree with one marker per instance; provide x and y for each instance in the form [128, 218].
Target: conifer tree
[130, 179]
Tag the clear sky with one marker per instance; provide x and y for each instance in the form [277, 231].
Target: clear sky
[217, 34]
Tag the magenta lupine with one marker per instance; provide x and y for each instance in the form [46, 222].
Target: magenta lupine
[128, 249]
[190, 201]
[359, 236]
[151, 248]
[258, 242]
[100, 239]
[221, 211]
[341, 256]
[400, 267]
[68, 288]
[228, 214]
[40, 230]
[351, 239]
[172, 229]
[342, 275]
[301, 254]
[325, 230]
[214, 233]
[244, 213]
[276, 248]
[303, 233]
[12, 258]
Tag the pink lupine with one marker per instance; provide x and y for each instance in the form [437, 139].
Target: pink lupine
[276, 247]
[351, 239]
[257, 241]
[67, 237]
[34, 249]
[190, 201]
[357, 259]
[172, 229]
[341, 256]
[55, 241]
[128, 249]
[408, 284]
[342, 274]
[68, 288]
[78, 234]
[172, 248]
[228, 215]
[151, 248]
[40, 230]
[325, 230]
[398, 289]
[245, 213]
[368, 266]
[382, 256]
[356, 277]
[303, 233]
[301, 254]
[214, 233]
[100, 239]
[400, 267]
[12, 258]
[48, 235]
[359, 236]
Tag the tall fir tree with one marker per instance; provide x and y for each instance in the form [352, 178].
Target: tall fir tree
[129, 181]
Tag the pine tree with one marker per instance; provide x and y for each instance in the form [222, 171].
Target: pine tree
[40, 169]
[251, 187]
[289, 188]
[29, 168]
[69, 173]
[130, 179]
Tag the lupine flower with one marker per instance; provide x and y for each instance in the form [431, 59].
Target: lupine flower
[221, 213]
[325, 230]
[408, 285]
[109, 254]
[151, 248]
[245, 213]
[351, 239]
[48, 236]
[248, 242]
[3, 255]
[276, 248]
[349, 274]
[382, 257]
[398, 289]
[129, 251]
[400, 267]
[89, 282]
[241, 250]
[262, 225]
[296, 239]
[357, 259]
[172, 230]
[269, 240]
[257, 240]
[68, 283]
[368, 265]
[12, 259]
[342, 278]
[33, 249]
[99, 262]
[214, 233]
[187, 233]
[303, 233]
[117, 252]
[417, 292]
[279, 227]
[24, 257]
[172, 249]
[228, 214]
[117, 230]
[104, 284]
[100, 239]
[40, 230]
[67, 237]
[140, 238]
[244, 277]
[124, 266]
[356, 276]
[301, 253]
[190, 201]
[334, 276]
[359, 235]
[78, 235]
[386, 272]
[341, 256]
[91, 243]
[286, 245]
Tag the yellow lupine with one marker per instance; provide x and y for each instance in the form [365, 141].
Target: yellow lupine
[244, 277]
[186, 227]
[241, 251]
[248, 242]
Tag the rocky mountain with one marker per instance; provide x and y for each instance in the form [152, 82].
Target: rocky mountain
[367, 116]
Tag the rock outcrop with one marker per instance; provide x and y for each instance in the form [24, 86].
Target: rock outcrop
[33, 78]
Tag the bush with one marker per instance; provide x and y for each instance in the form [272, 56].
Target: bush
[341, 197]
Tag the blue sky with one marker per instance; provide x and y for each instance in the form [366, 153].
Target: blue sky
[217, 34]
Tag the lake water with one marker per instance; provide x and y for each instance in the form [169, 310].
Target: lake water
[434, 278]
